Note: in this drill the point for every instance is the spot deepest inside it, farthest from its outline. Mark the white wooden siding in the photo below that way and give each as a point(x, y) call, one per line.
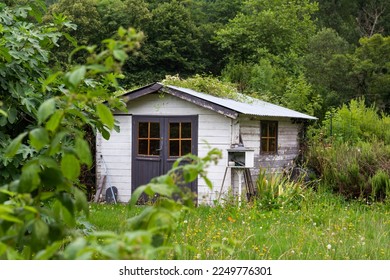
point(288, 144)
point(116, 153)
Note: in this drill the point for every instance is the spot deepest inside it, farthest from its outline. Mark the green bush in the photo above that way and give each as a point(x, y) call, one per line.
point(349, 169)
point(353, 123)
point(380, 185)
point(351, 150)
point(277, 190)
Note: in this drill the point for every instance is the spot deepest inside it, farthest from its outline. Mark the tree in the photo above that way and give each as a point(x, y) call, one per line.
point(126, 13)
point(172, 48)
point(277, 27)
point(264, 45)
point(327, 68)
point(371, 69)
point(24, 53)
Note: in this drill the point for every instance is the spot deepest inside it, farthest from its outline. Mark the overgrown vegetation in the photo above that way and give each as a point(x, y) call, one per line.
point(42, 203)
point(351, 151)
point(319, 226)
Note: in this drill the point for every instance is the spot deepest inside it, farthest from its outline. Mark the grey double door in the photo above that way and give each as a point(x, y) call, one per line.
point(158, 141)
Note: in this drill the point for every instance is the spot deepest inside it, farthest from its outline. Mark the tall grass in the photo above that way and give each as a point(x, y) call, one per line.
point(324, 226)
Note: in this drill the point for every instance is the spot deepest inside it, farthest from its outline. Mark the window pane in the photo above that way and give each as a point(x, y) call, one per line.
point(154, 130)
point(185, 130)
point(264, 130)
point(143, 147)
point(272, 129)
point(264, 147)
point(272, 145)
point(154, 147)
point(143, 130)
point(174, 130)
point(174, 148)
point(185, 147)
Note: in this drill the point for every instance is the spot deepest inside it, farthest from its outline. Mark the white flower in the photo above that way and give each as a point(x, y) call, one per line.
point(314, 224)
point(329, 246)
point(185, 221)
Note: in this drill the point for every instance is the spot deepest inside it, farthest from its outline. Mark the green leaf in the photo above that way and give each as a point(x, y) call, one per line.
point(46, 109)
point(208, 182)
point(64, 213)
point(83, 151)
point(12, 149)
point(55, 120)
point(12, 115)
point(49, 251)
point(51, 177)
point(39, 138)
point(76, 76)
point(136, 194)
point(29, 180)
point(70, 166)
point(50, 79)
point(105, 115)
point(120, 55)
point(73, 250)
point(81, 202)
point(56, 142)
point(105, 134)
point(40, 232)
point(10, 218)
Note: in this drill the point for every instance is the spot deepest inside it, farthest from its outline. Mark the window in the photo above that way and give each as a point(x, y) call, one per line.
point(269, 137)
point(149, 138)
point(180, 139)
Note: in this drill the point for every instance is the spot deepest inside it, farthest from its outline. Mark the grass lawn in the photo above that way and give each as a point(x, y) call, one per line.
point(321, 226)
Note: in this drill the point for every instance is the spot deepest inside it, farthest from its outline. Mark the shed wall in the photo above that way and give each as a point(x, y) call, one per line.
point(214, 130)
point(288, 144)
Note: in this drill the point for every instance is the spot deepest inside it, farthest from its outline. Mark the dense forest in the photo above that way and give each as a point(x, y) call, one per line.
point(308, 55)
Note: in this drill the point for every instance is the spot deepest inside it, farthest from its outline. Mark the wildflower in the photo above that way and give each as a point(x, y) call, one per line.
point(329, 246)
point(185, 221)
point(198, 256)
point(230, 219)
point(314, 224)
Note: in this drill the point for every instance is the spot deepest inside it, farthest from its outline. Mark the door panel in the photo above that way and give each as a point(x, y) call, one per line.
point(158, 142)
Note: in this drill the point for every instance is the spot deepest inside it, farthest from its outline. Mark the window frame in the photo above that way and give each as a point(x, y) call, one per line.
point(268, 137)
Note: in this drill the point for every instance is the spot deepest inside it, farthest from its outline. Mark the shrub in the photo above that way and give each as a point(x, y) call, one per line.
point(277, 190)
point(353, 123)
point(380, 185)
point(349, 169)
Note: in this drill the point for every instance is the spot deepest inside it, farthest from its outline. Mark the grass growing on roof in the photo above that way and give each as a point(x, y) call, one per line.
point(209, 85)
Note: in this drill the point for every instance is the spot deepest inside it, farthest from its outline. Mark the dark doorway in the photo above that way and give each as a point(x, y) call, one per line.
point(158, 142)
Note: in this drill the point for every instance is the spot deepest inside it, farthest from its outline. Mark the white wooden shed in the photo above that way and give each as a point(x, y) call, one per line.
point(166, 122)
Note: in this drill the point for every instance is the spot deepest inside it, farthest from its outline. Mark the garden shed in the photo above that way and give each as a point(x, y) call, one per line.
point(165, 122)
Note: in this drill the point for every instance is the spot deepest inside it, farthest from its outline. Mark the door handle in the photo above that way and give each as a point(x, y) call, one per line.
point(161, 145)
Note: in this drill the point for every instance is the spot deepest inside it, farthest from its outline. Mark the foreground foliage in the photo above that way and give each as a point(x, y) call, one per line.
point(43, 206)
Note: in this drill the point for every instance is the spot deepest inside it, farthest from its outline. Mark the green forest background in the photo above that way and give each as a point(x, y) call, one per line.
point(307, 55)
